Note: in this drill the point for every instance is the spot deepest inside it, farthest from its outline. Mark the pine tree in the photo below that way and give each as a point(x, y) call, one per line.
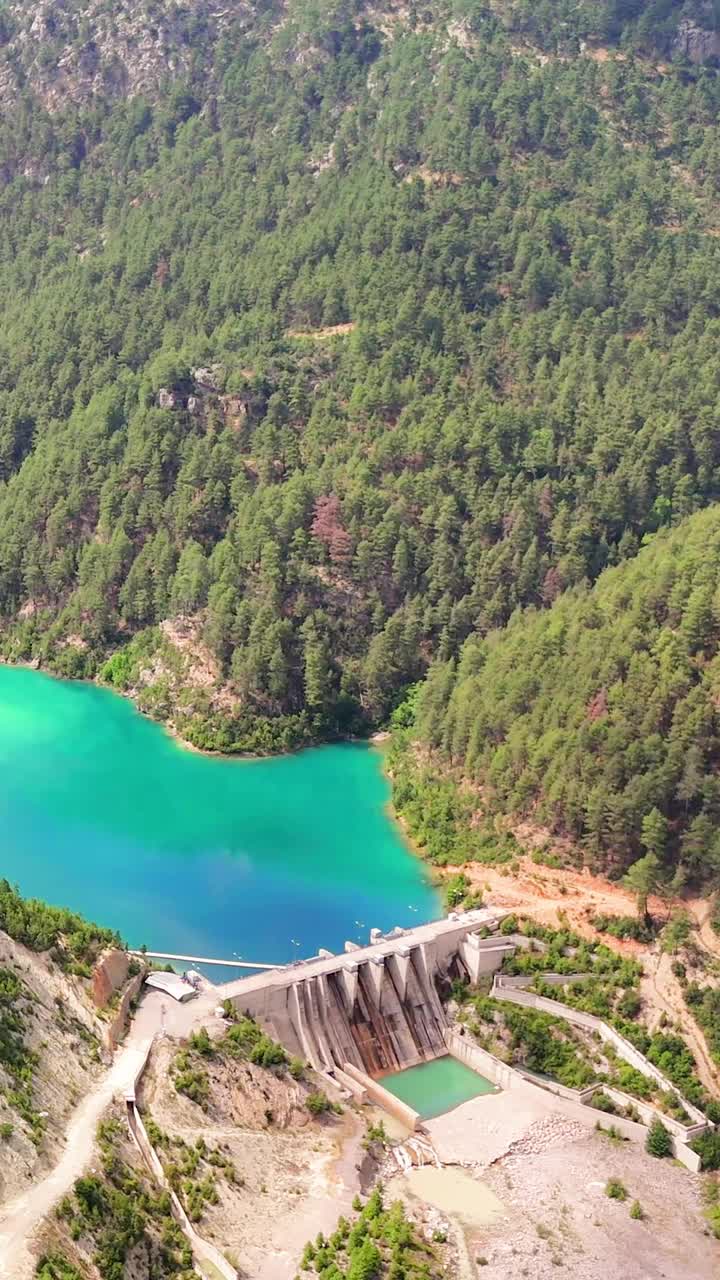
point(642, 878)
point(659, 1141)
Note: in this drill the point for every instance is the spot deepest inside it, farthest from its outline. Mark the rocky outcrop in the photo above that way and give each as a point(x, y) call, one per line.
point(109, 975)
point(168, 399)
point(72, 54)
point(695, 42)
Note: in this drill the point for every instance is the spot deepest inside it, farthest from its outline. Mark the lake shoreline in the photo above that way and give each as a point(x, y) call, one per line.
point(132, 695)
point(176, 849)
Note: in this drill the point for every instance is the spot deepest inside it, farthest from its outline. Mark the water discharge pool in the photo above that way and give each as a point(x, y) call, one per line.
point(102, 812)
point(435, 1087)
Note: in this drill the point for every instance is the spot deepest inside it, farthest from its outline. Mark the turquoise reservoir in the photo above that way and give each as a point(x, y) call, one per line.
point(436, 1087)
point(101, 811)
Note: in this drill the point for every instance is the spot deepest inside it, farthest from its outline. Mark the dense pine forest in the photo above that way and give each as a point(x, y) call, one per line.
point(597, 717)
point(331, 336)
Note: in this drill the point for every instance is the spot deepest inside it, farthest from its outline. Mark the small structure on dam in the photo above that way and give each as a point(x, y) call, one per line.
point(376, 1009)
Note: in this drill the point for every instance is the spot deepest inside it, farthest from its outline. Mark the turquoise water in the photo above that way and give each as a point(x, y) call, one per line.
point(101, 811)
point(436, 1087)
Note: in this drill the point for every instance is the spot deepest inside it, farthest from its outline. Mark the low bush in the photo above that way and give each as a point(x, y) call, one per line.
point(318, 1103)
point(615, 1189)
point(623, 927)
point(707, 1146)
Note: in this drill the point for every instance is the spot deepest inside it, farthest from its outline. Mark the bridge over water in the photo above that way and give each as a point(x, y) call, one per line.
point(231, 964)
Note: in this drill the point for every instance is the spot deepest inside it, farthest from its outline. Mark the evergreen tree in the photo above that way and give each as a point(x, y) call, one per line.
point(658, 1142)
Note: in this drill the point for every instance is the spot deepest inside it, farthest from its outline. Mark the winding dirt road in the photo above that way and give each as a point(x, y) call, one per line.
point(20, 1218)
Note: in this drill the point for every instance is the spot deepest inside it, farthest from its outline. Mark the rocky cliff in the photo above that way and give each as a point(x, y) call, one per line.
point(75, 51)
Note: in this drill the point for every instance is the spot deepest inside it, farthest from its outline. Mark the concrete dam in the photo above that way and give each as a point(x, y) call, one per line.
point(378, 1008)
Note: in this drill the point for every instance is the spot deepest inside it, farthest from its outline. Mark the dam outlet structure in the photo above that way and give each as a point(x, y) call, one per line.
point(375, 1009)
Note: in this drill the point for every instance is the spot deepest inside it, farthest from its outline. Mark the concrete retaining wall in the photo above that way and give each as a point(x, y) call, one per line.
point(689, 1158)
point(480, 1060)
point(522, 981)
point(561, 1090)
point(203, 1251)
point(648, 1112)
point(383, 1098)
point(577, 1018)
point(569, 1100)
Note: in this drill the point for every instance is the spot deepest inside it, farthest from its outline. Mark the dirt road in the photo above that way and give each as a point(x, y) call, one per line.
point(20, 1218)
point(701, 911)
point(553, 896)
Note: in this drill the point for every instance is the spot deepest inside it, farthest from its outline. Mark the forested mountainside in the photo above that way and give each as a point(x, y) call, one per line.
point(599, 716)
point(331, 335)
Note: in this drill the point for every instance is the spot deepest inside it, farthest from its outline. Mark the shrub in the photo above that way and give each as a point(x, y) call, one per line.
point(629, 1004)
point(658, 1142)
point(676, 931)
point(376, 1133)
point(636, 1211)
point(456, 889)
point(52, 1266)
point(318, 1103)
point(712, 1111)
point(612, 1132)
point(201, 1043)
point(707, 1147)
point(622, 927)
point(713, 1217)
point(194, 1083)
point(601, 1102)
point(615, 1189)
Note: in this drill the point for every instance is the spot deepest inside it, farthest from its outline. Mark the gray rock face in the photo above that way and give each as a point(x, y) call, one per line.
point(167, 399)
point(75, 52)
point(696, 43)
point(208, 379)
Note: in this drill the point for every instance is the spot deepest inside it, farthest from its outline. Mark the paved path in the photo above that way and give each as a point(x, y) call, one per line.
point(20, 1218)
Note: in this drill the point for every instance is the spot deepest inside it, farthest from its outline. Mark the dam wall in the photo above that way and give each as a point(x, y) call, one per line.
point(376, 1008)
point(486, 1064)
point(382, 1097)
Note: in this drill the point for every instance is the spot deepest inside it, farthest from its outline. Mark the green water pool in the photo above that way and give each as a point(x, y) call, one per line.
point(436, 1087)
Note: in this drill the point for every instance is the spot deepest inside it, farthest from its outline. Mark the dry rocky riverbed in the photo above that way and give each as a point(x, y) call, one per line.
point(560, 1219)
point(541, 1209)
